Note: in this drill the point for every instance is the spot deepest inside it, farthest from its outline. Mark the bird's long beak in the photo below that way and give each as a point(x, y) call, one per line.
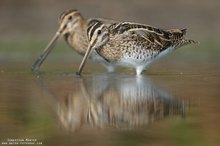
point(88, 52)
point(46, 52)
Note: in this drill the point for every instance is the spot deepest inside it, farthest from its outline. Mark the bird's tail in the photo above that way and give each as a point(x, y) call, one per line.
point(184, 31)
point(179, 39)
point(184, 42)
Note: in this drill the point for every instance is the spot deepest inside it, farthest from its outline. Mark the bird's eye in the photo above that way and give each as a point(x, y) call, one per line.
point(70, 17)
point(99, 32)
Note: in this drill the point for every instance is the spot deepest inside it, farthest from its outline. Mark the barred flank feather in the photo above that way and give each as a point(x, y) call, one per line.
point(184, 42)
point(132, 44)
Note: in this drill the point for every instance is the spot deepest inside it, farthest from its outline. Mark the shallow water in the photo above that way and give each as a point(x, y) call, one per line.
point(59, 108)
point(175, 102)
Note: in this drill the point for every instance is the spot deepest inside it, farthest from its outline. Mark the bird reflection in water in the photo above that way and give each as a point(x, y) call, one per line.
point(112, 101)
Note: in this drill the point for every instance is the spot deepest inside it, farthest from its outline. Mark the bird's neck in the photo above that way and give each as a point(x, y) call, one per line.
point(77, 38)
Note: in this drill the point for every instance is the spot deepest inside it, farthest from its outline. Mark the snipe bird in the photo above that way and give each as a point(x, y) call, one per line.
point(72, 26)
point(132, 44)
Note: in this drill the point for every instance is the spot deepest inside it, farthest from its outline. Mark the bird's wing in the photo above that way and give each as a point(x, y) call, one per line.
point(151, 36)
point(107, 22)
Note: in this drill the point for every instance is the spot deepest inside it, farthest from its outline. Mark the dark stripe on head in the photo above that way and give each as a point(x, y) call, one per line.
point(92, 26)
point(66, 12)
point(92, 22)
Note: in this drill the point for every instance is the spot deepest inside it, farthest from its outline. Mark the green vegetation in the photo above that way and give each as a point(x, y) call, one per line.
point(186, 132)
point(29, 49)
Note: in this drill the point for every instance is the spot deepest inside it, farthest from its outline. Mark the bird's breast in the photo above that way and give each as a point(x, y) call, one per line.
point(78, 43)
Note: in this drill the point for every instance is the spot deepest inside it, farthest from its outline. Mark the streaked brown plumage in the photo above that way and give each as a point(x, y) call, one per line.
point(73, 27)
point(132, 44)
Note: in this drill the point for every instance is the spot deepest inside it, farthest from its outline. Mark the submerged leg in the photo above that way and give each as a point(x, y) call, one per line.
point(139, 70)
point(109, 67)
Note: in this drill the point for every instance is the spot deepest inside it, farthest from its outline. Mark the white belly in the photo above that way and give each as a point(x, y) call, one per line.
point(134, 59)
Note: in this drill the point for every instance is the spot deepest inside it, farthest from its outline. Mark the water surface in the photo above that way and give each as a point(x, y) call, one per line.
point(110, 109)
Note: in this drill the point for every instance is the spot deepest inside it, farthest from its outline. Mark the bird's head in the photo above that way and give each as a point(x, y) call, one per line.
point(69, 21)
point(98, 35)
